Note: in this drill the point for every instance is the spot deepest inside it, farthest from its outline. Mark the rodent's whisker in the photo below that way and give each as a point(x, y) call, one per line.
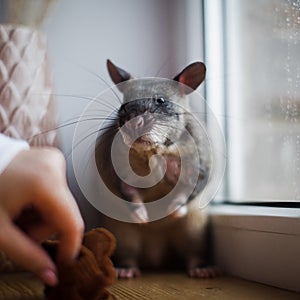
point(163, 65)
point(109, 131)
point(103, 102)
point(101, 79)
point(70, 122)
point(84, 138)
point(80, 97)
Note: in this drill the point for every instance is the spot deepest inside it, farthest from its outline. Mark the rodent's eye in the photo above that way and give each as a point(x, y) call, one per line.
point(160, 100)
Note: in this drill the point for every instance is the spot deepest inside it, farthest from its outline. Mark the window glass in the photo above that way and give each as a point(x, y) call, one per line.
point(260, 73)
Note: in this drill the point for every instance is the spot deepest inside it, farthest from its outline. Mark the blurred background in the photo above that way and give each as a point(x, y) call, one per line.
point(146, 38)
point(252, 53)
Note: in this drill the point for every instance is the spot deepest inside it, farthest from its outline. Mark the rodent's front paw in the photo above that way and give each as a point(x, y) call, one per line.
point(139, 213)
point(173, 169)
point(177, 207)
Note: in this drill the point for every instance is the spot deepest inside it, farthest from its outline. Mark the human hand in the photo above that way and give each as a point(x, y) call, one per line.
point(34, 184)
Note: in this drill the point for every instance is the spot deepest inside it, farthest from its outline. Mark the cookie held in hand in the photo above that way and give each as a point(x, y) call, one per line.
point(92, 271)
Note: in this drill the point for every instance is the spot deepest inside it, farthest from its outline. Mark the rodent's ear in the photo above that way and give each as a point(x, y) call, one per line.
point(192, 76)
point(117, 74)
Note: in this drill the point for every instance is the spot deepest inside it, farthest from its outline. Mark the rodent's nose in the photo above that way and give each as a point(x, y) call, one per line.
point(135, 123)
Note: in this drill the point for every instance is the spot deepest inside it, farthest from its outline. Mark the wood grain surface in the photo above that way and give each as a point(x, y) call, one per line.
point(159, 286)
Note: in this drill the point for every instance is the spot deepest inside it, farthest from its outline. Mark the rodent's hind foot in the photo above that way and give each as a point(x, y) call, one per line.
point(127, 273)
point(204, 272)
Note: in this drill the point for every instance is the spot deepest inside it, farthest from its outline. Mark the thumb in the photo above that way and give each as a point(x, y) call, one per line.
point(28, 254)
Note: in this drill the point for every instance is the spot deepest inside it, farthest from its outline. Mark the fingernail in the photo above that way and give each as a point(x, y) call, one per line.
point(49, 277)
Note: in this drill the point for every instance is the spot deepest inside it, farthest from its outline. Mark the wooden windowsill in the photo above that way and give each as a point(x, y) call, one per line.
point(165, 286)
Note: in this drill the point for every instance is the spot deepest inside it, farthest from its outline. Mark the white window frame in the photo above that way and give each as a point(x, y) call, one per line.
point(258, 243)
point(253, 242)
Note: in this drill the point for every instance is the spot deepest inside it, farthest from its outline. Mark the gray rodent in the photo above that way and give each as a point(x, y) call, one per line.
point(152, 112)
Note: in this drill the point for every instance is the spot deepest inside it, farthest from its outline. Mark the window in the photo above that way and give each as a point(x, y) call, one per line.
point(253, 57)
point(252, 51)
